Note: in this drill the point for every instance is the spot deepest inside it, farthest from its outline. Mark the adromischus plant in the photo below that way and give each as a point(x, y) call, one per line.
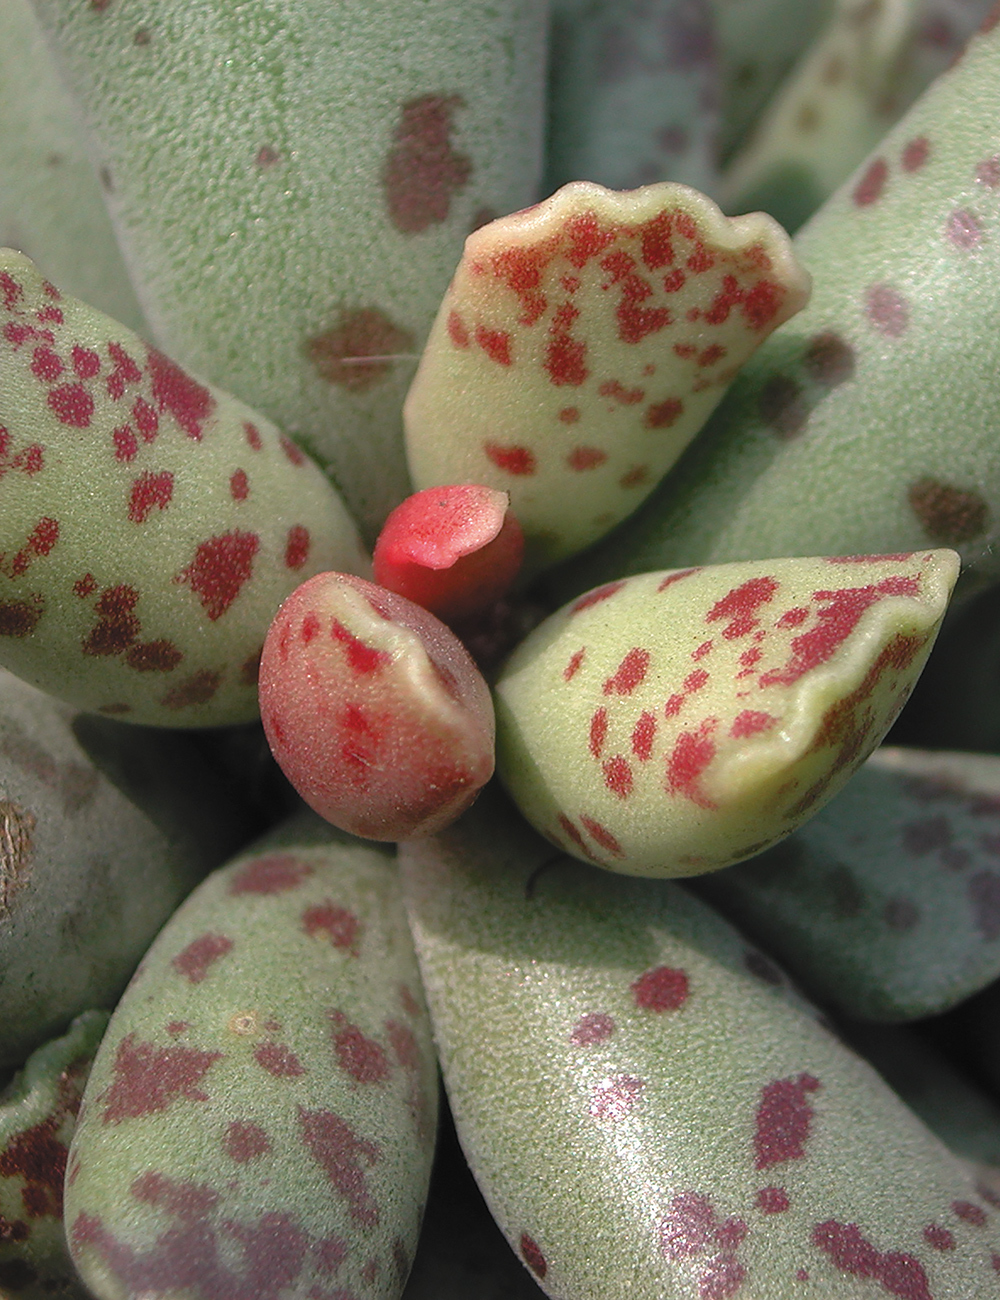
point(648, 1107)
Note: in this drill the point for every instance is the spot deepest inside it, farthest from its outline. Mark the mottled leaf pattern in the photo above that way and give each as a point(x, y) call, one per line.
point(674, 723)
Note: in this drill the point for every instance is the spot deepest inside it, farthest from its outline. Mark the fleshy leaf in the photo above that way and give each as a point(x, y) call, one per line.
point(868, 423)
point(292, 187)
point(583, 343)
point(650, 1111)
point(632, 93)
point(150, 525)
point(674, 723)
point(860, 75)
point(259, 1122)
point(37, 1118)
point(902, 864)
point(374, 710)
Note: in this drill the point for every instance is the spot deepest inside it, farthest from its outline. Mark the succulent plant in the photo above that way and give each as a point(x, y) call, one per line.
point(201, 417)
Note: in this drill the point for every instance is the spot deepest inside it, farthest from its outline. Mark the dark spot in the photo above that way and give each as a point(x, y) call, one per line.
point(423, 171)
point(782, 406)
point(759, 965)
point(362, 1058)
point(901, 914)
point(340, 926)
point(846, 897)
point(661, 989)
point(869, 188)
point(279, 1060)
point(784, 1117)
point(200, 954)
point(148, 1078)
point(267, 157)
point(532, 1255)
point(141, 36)
point(196, 689)
point(274, 874)
point(339, 1151)
point(154, 656)
point(117, 626)
point(949, 515)
point(19, 617)
point(359, 350)
point(887, 310)
point(829, 360)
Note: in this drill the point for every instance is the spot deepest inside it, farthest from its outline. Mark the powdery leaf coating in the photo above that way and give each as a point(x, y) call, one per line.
point(633, 93)
point(674, 723)
point(260, 1121)
point(149, 525)
point(374, 710)
point(583, 343)
point(903, 863)
point(74, 840)
point(718, 1143)
point(808, 454)
point(37, 1118)
point(349, 162)
point(454, 550)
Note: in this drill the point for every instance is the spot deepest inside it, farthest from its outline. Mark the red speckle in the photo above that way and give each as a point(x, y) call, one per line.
point(457, 332)
point(146, 419)
point(293, 453)
point(363, 659)
point(253, 435)
point(422, 172)
point(582, 458)
point(619, 393)
point(274, 874)
point(85, 362)
point(613, 1098)
point(189, 402)
point(148, 1078)
point(245, 1141)
point(362, 1058)
point(692, 753)
point(988, 172)
point(711, 355)
point(741, 607)
point(773, 1200)
point(634, 477)
point(355, 354)
point(335, 1146)
point(963, 229)
point(839, 615)
point(595, 1027)
point(596, 596)
point(657, 250)
point(126, 444)
point(45, 365)
point(851, 1252)
point(643, 735)
point(970, 1213)
point(39, 542)
point(673, 706)
point(569, 414)
point(793, 617)
point(85, 586)
point(199, 688)
point(695, 681)
point(629, 674)
point(266, 157)
point(532, 1256)
point(783, 1120)
point(751, 723)
point(124, 371)
point(663, 988)
point(571, 832)
point(688, 1226)
point(664, 414)
point(939, 1238)
point(177, 1027)
point(219, 569)
point(495, 343)
point(38, 1157)
point(117, 627)
point(887, 310)
point(722, 1279)
point(915, 153)
point(802, 1275)
point(575, 660)
point(869, 188)
point(404, 1044)
point(598, 732)
point(72, 405)
point(565, 356)
point(601, 836)
point(239, 485)
point(340, 926)
point(11, 290)
point(761, 304)
point(200, 954)
point(514, 460)
point(150, 492)
point(297, 545)
point(679, 576)
point(278, 1059)
point(618, 776)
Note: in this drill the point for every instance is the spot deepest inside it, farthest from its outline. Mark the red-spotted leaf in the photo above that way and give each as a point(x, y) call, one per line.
point(584, 342)
point(374, 709)
point(673, 723)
